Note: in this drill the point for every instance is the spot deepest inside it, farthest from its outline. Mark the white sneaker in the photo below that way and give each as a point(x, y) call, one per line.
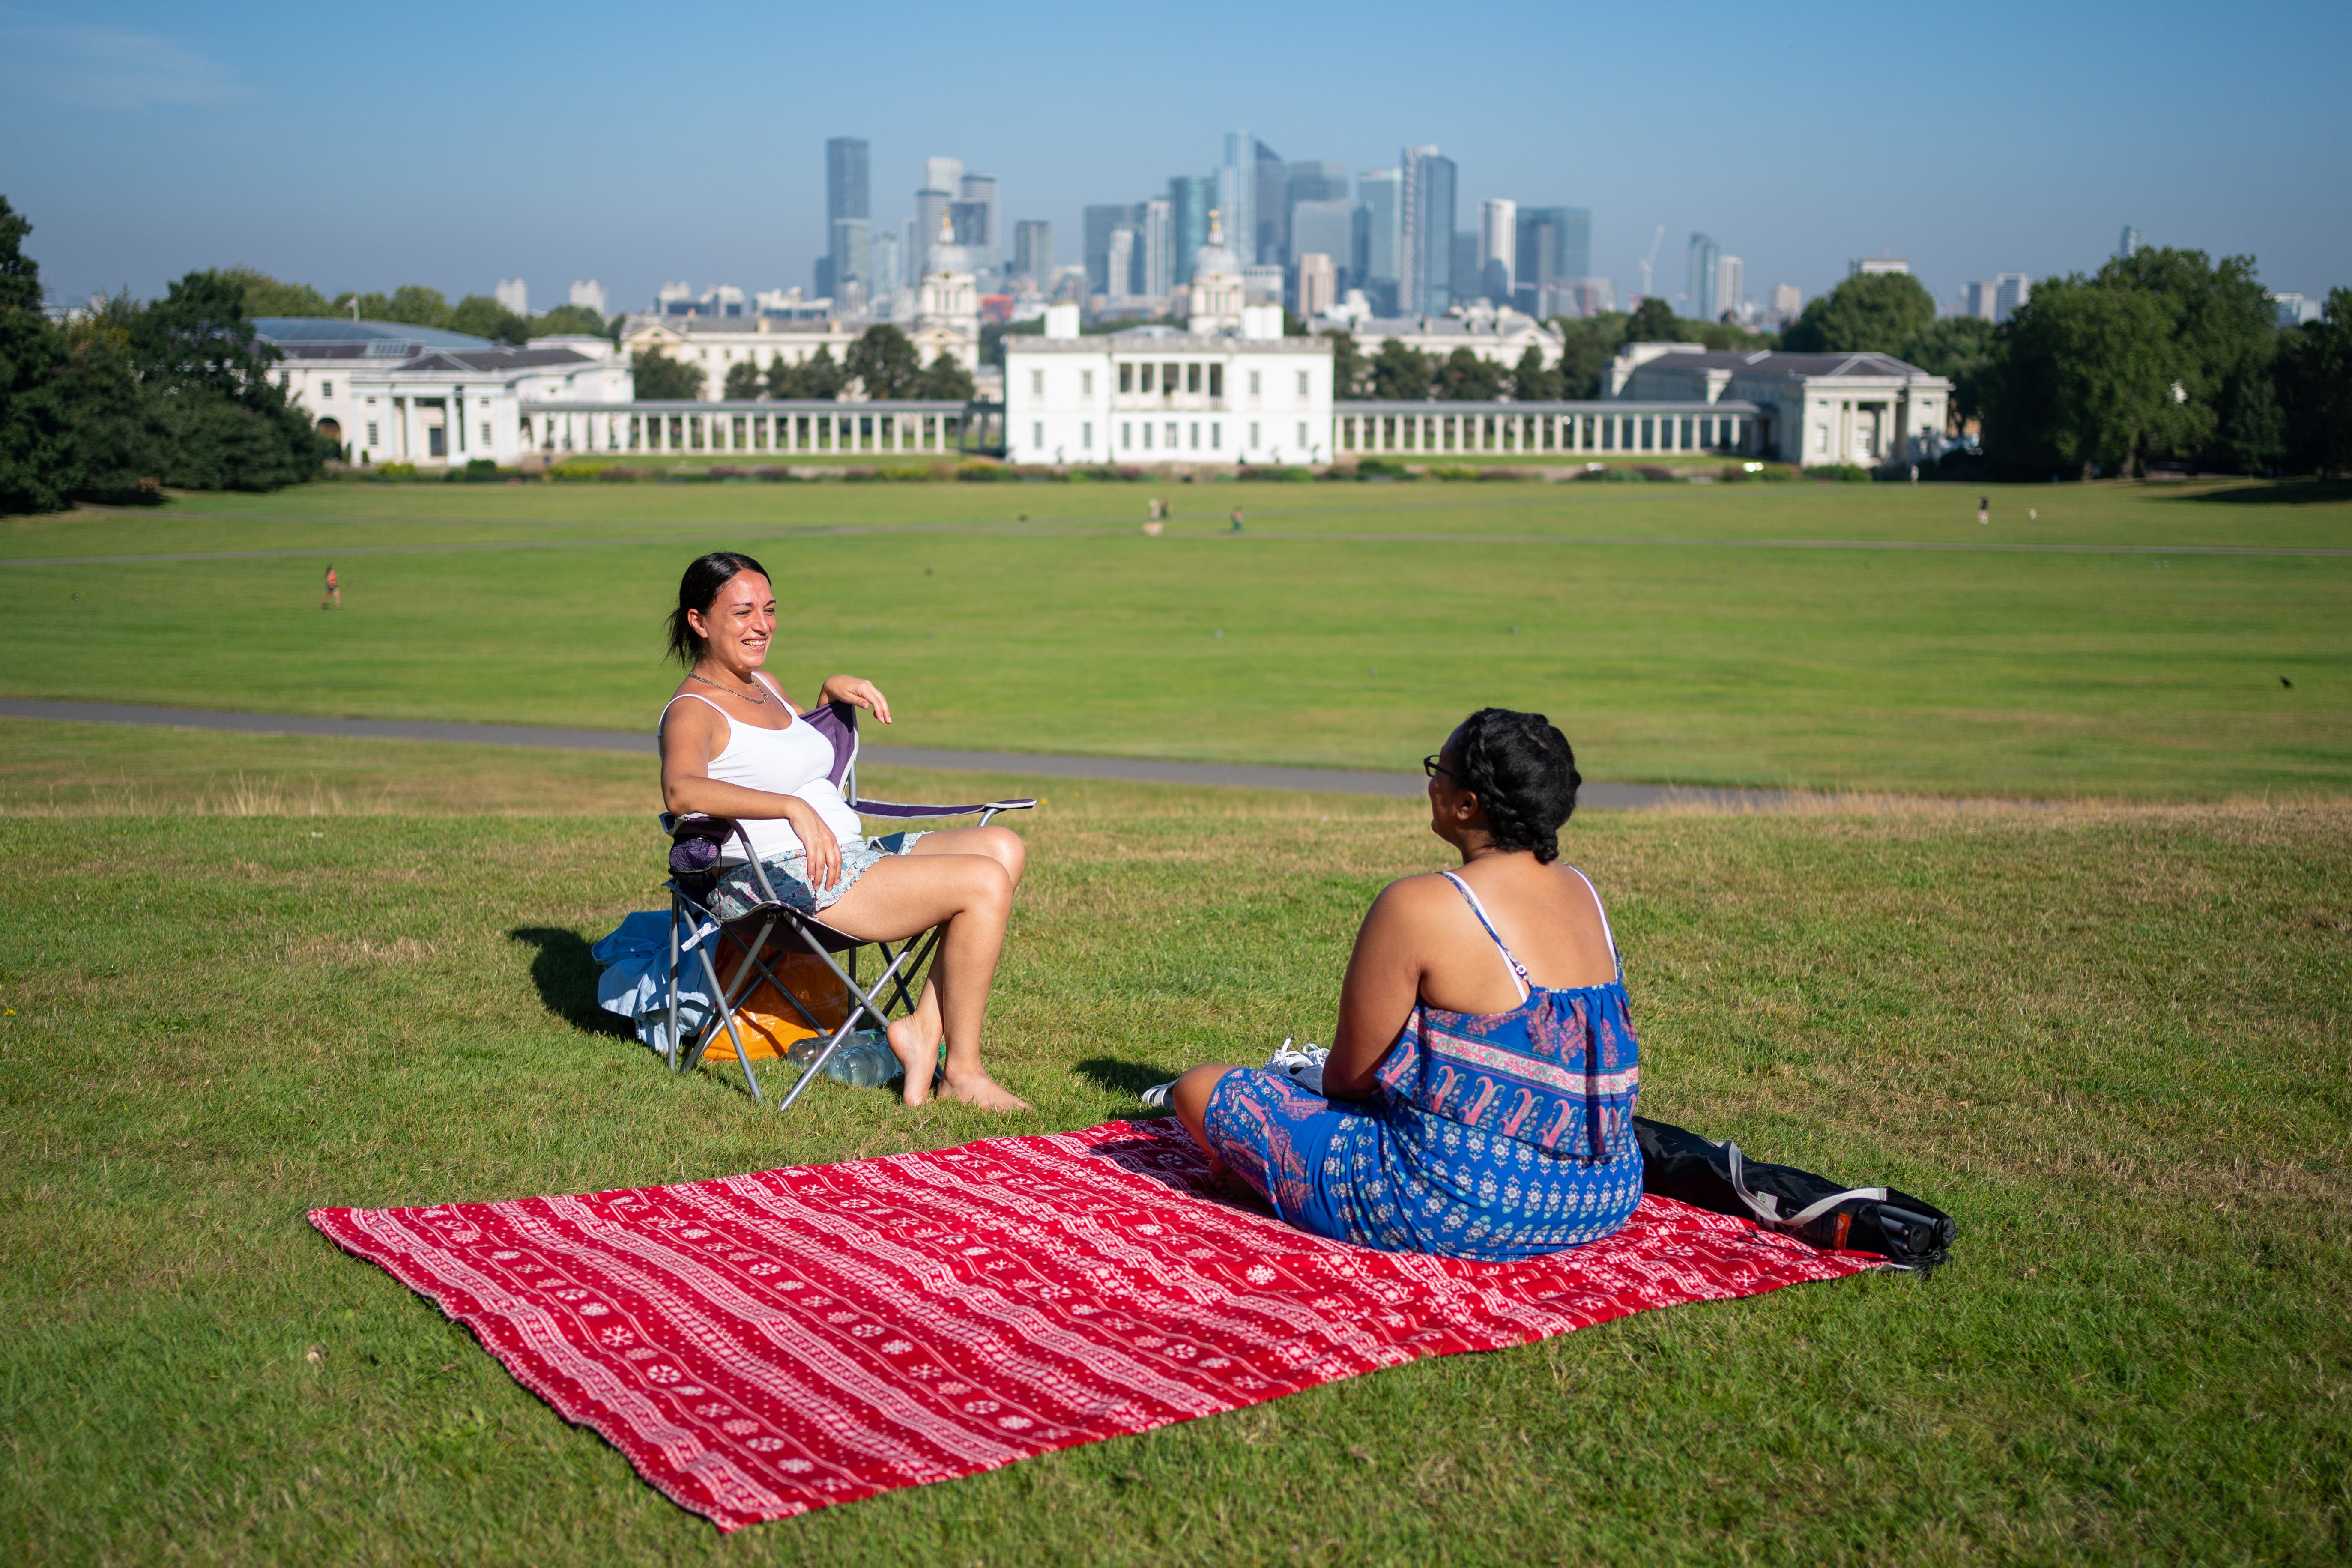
point(1303, 1067)
point(1156, 1096)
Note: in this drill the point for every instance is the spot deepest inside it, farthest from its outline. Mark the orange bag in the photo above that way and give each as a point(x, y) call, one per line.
point(771, 1027)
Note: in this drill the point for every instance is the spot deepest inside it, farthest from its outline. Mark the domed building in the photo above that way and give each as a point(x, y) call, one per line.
point(947, 309)
point(1217, 295)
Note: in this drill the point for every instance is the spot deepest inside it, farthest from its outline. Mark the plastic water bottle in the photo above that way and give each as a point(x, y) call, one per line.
point(865, 1060)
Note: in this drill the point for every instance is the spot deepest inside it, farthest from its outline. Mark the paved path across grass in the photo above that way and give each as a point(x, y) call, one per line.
point(1133, 770)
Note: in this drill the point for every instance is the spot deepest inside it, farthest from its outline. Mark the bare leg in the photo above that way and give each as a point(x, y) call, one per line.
point(917, 1034)
point(972, 894)
point(1189, 1100)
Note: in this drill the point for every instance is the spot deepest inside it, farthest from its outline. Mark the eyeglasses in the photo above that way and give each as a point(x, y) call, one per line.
point(1431, 767)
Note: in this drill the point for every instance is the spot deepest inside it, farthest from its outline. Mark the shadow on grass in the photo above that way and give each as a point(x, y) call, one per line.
point(2283, 492)
point(565, 974)
point(1122, 1077)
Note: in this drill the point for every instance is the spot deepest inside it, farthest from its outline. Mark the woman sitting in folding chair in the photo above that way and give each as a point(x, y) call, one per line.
point(739, 751)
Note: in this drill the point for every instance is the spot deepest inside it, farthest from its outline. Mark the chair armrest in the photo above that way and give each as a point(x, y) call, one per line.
point(907, 813)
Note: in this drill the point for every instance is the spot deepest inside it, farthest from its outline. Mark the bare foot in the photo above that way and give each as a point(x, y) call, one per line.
point(918, 1051)
point(983, 1092)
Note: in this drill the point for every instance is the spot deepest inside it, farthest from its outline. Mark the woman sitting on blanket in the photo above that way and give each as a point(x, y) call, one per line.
point(1478, 1098)
point(738, 750)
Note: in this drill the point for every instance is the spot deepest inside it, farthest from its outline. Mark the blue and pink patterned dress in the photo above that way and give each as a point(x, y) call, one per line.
point(1490, 1136)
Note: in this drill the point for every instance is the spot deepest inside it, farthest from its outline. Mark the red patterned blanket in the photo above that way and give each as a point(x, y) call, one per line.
point(770, 1343)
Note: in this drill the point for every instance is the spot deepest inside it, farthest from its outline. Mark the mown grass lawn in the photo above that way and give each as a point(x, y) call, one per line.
point(2113, 1041)
point(1668, 628)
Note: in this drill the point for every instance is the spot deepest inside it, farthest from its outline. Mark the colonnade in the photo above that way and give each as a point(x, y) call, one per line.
point(1507, 429)
point(683, 428)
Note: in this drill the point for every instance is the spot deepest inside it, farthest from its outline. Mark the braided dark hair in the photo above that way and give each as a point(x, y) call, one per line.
point(1524, 773)
point(698, 591)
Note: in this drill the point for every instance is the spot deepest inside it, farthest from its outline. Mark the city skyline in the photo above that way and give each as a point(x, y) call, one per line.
point(157, 141)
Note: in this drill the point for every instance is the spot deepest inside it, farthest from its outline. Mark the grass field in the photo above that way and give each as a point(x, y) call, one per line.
point(2112, 1041)
point(245, 976)
point(1663, 625)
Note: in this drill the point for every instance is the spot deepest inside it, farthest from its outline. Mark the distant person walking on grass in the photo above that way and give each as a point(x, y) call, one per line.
point(1984, 509)
point(1237, 520)
point(333, 599)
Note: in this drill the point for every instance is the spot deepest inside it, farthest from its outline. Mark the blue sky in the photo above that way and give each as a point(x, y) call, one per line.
point(454, 145)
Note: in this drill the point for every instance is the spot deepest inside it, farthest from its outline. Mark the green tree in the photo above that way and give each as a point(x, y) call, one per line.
point(1871, 313)
point(883, 363)
point(946, 378)
point(484, 317)
point(567, 321)
point(743, 382)
point(2084, 374)
point(661, 379)
point(223, 419)
point(1958, 349)
point(1533, 381)
point(37, 434)
point(1350, 376)
point(815, 377)
point(1587, 346)
point(117, 436)
point(411, 304)
point(2314, 376)
point(2224, 330)
point(1401, 374)
point(1466, 377)
point(1654, 322)
point(266, 296)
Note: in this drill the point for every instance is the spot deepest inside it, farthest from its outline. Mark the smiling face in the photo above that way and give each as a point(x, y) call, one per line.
point(739, 623)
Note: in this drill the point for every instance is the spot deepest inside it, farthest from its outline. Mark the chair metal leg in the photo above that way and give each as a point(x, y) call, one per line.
point(727, 1016)
point(673, 983)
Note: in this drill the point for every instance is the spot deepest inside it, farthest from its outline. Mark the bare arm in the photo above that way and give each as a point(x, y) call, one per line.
point(859, 692)
point(1383, 981)
point(691, 735)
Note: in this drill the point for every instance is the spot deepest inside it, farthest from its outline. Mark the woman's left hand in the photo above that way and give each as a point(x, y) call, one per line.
point(857, 693)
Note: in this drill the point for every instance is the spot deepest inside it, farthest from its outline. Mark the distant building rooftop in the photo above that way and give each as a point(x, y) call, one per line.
point(321, 330)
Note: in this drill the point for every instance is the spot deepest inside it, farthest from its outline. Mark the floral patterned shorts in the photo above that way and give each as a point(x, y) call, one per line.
point(737, 893)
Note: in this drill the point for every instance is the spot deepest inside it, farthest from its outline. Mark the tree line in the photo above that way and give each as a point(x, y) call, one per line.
point(127, 397)
point(414, 305)
point(2161, 356)
point(882, 365)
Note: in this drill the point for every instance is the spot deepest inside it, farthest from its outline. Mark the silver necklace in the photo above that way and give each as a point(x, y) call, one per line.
point(739, 696)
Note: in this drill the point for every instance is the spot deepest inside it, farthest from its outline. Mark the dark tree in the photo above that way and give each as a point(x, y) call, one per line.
point(224, 420)
point(1533, 381)
point(946, 378)
point(2314, 376)
point(1400, 375)
point(1871, 313)
point(1652, 322)
point(266, 296)
point(1350, 376)
point(661, 379)
point(744, 381)
point(118, 432)
point(883, 363)
point(819, 376)
point(412, 304)
point(1467, 378)
point(484, 317)
point(567, 321)
point(1586, 347)
point(1957, 348)
point(36, 434)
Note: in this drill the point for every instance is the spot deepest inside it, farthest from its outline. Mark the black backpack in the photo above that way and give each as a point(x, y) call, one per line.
point(1909, 1232)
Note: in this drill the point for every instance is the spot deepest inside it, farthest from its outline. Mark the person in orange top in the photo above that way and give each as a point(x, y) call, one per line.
point(334, 597)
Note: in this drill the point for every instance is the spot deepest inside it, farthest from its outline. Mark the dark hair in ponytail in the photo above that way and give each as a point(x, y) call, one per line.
point(1524, 773)
point(698, 591)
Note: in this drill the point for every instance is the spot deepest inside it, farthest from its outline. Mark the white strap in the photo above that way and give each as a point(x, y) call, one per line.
point(1766, 1206)
point(1518, 976)
point(761, 677)
point(699, 697)
point(1603, 910)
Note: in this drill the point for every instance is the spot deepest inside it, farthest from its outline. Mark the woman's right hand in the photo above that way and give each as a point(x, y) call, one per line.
point(817, 843)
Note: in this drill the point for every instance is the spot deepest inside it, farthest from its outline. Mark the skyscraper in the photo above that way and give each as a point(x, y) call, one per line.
point(1101, 221)
point(2128, 245)
point(1270, 200)
point(1032, 251)
point(1555, 244)
point(848, 194)
point(850, 249)
point(1699, 304)
point(979, 199)
point(1425, 233)
point(1155, 242)
point(1318, 285)
point(1237, 192)
point(1189, 197)
point(1121, 262)
point(1498, 248)
point(1731, 284)
point(1317, 182)
point(1328, 229)
point(1380, 241)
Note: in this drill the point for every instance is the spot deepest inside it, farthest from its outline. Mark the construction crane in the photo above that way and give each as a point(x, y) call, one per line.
point(1652, 259)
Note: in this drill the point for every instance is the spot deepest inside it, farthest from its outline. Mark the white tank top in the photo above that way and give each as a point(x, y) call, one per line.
point(792, 761)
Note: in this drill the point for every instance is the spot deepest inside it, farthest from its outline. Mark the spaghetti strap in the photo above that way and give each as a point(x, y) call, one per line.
point(697, 697)
point(1518, 972)
point(761, 677)
point(1615, 957)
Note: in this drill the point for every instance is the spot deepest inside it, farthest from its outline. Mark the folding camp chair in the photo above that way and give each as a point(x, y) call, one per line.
point(701, 941)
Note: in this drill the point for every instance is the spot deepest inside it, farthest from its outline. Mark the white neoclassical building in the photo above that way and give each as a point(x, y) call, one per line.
point(390, 393)
point(1226, 388)
point(1866, 408)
